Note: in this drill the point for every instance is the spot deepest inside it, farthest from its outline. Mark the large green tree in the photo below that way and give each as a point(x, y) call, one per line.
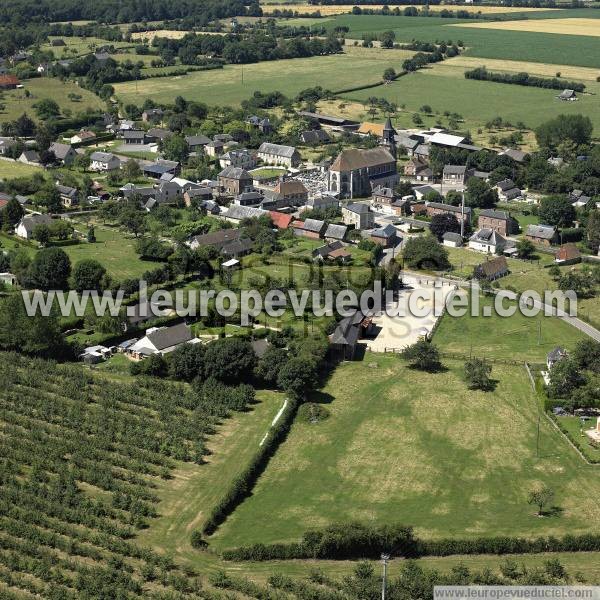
point(88, 274)
point(425, 252)
point(50, 270)
point(576, 128)
point(556, 210)
point(230, 360)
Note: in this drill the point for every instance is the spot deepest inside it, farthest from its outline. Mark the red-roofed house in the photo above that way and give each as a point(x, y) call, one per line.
point(567, 255)
point(280, 220)
point(8, 82)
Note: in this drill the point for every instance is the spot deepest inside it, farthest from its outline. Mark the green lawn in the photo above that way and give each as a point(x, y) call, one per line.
point(576, 432)
point(235, 83)
point(516, 338)
point(16, 102)
point(113, 249)
point(11, 170)
point(422, 449)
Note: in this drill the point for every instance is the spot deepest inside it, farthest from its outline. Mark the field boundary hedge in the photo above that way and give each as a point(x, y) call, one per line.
point(242, 485)
point(523, 78)
point(500, 545)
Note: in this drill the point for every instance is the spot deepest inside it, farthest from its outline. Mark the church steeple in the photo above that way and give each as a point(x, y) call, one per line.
point(389, 140)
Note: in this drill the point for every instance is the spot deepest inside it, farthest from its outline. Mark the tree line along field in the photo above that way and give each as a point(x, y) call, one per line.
point(235, 83)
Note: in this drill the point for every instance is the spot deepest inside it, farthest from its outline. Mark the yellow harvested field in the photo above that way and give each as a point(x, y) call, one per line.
point(342, 9)
point(518, 66)
point(172, 34)
point(589, 27)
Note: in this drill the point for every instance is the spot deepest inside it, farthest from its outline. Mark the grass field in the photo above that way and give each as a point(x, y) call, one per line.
point(16, 102)
point(10, 169)
point(78, 46)
point(226, 86)
point(572, 26)
point(421, 449)
point(113, 249)
point(445, 89)
point(580, 50)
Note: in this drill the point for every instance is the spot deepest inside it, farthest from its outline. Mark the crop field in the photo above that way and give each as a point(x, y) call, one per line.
point(421, 449)
point(16, 102)
point(444, 88)
point(163, 33)
point(235, 83)
point(579, 50)
point(572, 26)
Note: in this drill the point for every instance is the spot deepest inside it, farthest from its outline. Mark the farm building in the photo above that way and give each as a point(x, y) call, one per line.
point(162, 340)
point(8, 82)
point(568, 254)
point(568, 96)
point(385, 236)
point(544, 235)
point(491, 269)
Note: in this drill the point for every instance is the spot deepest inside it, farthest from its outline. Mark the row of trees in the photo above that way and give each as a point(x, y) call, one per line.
point(524, 78)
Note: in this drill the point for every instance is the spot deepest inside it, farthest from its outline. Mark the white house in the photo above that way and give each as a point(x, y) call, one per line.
point(104, 161)
point(276, 154)
point(242, 158)
point(487, 240)
point(29, 222)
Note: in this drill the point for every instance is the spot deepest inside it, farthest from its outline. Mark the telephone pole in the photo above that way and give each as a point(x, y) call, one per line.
point(462, 216)
point(384, 559)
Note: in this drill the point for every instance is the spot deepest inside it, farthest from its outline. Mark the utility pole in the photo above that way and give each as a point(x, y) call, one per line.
point(462, 216)
point(537, 443)
point(384, 559)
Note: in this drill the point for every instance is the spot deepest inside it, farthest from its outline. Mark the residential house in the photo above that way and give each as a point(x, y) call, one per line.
point(568, 254)
point(153, 115)
point(242, 158)
point(491, 270)
point(83, 137)
point(507, 190)
point(29, 157)
point(157, 169)
point(64, 153)
point(544, 235)
point(197, 143)
point(456, 175)
point(291, 191)
point(385, 236)
point(452, 240)
point(498, 220)
point(357, 172)
point(135, 137)
point(234, 180)
point(360, 216)
point(28, 223)
point(162, 340)
point(277, 154)
point(487, 240)
point(383, 196)
point(262, 124)
point(104, 161)
point(314, 137)
point(555, 355)
point(6, 145)
point(418, 169)
point(336, 232)
point(321, 201)
point(238, 248)
point(439, 208)
point(578, 199)
point(249, 198)
point(197, 196)
point(154, 135)
point(280, 220)
point(215, 239)
point(332, 251)
point(214, 148)
point(68, 195)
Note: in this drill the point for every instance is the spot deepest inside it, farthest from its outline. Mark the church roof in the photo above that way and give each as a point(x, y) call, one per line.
point(354, 158)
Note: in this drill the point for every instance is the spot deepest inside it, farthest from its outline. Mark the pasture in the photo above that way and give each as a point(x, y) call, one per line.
point(235, 83)
point(444, 88)
point(11, 169)
point(578, 50)
point(16, 102)
point(420, 449)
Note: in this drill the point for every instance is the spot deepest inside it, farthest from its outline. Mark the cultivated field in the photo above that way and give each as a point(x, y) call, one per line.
point(580, 50)
point(16, 102)
point(235, 83)
point(421, 449)
point(163, 33)
point(572, 26)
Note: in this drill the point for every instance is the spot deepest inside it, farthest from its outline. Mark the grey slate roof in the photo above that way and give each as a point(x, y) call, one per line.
point(451, 236)
point(170, 336)
point(244, 212)
point(544, 232)
point(384, 232)
point(449, 207)
point(235, 173)
point(494, 214)
point(60, 150)
point(313, 225)
point(197, 140)
point(487, 236)
point(277, 149)
point(358, 208)
point(337, 232)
